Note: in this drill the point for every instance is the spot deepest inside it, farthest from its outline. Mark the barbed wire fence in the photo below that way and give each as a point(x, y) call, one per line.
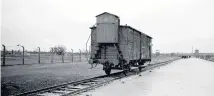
point(17, 55)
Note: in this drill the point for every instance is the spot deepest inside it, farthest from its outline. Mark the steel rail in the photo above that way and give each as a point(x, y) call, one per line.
point(61, 85)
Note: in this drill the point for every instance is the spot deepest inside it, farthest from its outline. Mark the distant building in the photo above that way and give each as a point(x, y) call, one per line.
point(196, 51)
point(157, 52)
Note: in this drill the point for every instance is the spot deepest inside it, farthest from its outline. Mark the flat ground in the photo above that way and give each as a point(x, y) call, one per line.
point(22, 78)
point(185, 77)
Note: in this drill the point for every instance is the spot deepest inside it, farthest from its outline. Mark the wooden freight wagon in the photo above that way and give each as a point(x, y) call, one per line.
point(116, 46)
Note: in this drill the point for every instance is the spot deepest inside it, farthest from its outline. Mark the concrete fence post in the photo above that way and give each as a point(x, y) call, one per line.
point(4, 55)
point(80, 55)
point(52, 55)
point(12, 53)
point(39, 55)
point(23, 55)
point(62, 58)
point(72, 55)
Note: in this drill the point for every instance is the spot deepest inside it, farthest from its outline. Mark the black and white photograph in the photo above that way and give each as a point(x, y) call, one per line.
point(107, 47)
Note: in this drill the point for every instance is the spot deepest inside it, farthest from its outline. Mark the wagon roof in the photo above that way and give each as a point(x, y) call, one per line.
point(107, 13)
point(136, 30)
point(130, 28)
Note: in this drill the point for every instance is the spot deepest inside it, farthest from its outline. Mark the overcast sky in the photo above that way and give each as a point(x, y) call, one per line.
point(175, 25)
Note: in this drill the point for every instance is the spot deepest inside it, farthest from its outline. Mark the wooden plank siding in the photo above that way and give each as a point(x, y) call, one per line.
point(131, 42)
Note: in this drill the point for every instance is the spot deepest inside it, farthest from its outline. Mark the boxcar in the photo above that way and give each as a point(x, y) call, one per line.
point(116, 46)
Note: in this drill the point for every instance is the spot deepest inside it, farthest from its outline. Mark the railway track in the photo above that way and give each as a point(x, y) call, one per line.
point(75, 88)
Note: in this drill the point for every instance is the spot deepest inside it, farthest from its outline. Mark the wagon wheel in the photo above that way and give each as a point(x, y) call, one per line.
point(107, 68)
point(140, 65)
point(140, 69)
point(126, 69)
point(129, 67)
point(108, 71)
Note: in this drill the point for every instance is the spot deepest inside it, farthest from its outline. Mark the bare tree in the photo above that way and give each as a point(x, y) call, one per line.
point(59, 50)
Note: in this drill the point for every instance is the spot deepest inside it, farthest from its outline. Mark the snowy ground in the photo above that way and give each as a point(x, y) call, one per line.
point(22, 78)
point(185, 77)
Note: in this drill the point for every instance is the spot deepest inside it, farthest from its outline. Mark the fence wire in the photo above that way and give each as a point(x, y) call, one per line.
point(15, 57)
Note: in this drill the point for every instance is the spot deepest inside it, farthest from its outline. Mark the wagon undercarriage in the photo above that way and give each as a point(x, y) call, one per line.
point(123, 65)
point(111, 57)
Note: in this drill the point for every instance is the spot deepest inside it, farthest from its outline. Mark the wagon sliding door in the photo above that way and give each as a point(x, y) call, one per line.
point(136, 48)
